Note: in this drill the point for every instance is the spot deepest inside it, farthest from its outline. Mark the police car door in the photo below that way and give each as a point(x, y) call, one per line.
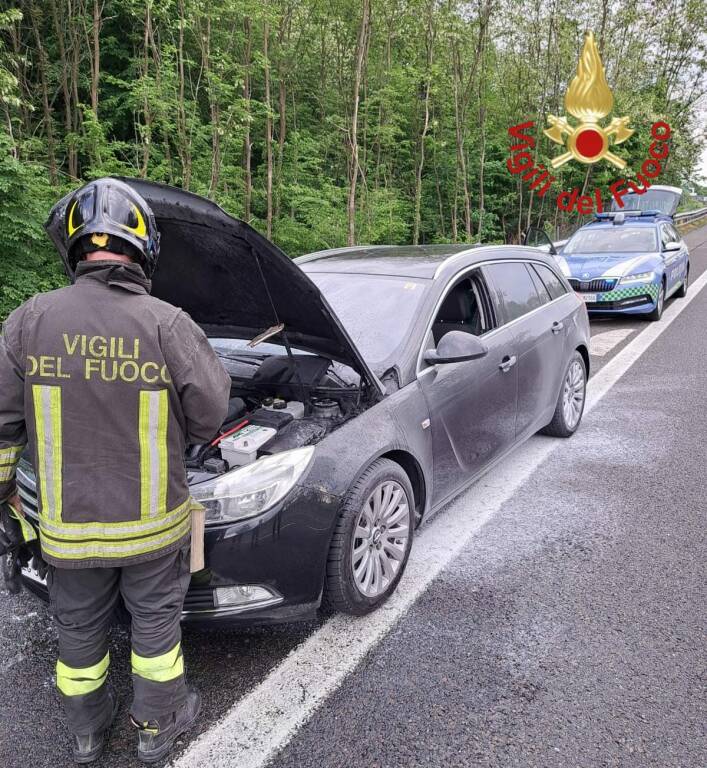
point(674, 258)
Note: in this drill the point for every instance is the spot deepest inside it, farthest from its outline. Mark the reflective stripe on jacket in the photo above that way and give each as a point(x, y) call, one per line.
point(107, 385)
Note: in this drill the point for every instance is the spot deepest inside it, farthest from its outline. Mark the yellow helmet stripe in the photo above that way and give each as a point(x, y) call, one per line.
point(70, 227)
point(141, 229)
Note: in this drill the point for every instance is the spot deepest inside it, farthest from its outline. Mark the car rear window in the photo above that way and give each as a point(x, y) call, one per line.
point(615, 239)
point(512, 289)
point(552, 282)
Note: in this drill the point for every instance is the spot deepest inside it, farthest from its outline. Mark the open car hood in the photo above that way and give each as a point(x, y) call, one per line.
point(656, 198)
point(231, 280)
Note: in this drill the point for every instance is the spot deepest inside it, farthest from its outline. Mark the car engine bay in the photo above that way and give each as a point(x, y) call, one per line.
point(278, 402)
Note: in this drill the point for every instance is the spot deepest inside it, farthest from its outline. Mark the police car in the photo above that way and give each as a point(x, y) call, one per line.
point(630, 260)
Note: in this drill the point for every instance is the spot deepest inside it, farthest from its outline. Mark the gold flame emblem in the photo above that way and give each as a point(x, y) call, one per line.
point(589, 99)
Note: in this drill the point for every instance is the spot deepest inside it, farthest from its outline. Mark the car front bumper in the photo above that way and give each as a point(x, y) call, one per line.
point(631, 299)
point(282, 552)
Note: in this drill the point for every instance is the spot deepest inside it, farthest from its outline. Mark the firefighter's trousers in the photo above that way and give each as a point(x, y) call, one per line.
point(83, 602)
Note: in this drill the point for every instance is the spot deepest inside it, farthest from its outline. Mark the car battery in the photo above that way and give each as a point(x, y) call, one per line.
point(242, 448)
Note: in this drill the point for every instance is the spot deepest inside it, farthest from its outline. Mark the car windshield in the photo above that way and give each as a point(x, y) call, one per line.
point(376, 310)
point(617, 239)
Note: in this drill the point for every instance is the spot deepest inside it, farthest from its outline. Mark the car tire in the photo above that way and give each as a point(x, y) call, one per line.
point(682, 290)
point(570, 402)
point(657, 313)
point(382, 493)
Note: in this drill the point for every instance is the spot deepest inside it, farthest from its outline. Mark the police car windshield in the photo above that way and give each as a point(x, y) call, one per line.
point(616, 239)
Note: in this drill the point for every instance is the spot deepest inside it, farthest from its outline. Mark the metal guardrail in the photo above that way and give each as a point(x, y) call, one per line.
point(687, 216)
point(679, 218)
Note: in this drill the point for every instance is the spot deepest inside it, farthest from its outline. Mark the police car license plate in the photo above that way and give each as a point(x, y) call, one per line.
point(588, 298)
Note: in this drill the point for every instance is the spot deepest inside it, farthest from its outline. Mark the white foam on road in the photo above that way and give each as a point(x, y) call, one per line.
point(264, 720)
point(602, 343)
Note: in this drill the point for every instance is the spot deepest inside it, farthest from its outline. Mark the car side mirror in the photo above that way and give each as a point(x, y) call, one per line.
point(673, 245)
point(456, 347)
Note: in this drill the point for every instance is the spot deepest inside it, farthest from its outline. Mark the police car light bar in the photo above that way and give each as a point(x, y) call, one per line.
point(618, 217)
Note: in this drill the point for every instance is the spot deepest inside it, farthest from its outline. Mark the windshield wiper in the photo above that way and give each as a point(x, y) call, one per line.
point(255, 360)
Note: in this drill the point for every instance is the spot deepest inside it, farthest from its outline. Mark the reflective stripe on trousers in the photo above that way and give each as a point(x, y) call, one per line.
point(79, 681)
point(159, 669)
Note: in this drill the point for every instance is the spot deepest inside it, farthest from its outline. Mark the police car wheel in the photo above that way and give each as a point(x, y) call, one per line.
point(682, 290)
point(570, 403)
point(657, 313)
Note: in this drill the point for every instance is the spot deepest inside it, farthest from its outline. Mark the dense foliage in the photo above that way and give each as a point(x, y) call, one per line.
point(324, 123)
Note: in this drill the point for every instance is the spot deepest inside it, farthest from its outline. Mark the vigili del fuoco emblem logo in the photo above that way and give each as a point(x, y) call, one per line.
point(589, 99)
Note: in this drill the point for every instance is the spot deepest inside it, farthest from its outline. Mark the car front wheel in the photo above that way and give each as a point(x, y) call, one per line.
point(657, 312)
point(372, 540)
point(682, 290)
point(570, 403)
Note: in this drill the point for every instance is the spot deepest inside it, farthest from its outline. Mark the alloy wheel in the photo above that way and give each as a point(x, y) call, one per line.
point(573, 394)
point(380, 539)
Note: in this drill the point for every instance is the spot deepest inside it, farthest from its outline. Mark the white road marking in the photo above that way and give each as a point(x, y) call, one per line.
point(602, 343)
point(264, 720)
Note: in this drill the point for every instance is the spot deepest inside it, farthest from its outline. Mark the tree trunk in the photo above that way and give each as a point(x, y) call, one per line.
point(184, 146)
point(459, 136)
point(353, 131)
point(71, 158)
point(147, 114)
point(429, 45)
point(247, 147)
point(46, 106)
point(268, 129)
point(96, 60)
point(214, 109)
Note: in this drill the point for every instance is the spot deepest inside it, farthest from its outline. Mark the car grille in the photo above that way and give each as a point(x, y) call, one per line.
point(593, 286)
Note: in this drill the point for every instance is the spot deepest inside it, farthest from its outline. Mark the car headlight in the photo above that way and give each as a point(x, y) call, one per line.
point(640, 277)
point(253, 489)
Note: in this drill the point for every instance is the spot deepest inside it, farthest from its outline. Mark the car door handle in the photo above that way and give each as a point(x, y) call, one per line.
point(507, 363)
point(557, 326)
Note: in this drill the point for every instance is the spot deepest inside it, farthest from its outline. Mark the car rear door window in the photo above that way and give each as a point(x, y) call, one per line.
point(512, 289)
point(552, 282)
point(543, 292)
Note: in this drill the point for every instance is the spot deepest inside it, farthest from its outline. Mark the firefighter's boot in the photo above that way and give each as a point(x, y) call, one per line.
point(88, 748)
point(156, 738)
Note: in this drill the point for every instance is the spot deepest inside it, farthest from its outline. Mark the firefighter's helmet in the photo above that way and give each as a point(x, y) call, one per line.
point(107, 215)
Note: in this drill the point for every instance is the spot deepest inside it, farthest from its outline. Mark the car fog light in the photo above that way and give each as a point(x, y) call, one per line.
point(245, 595)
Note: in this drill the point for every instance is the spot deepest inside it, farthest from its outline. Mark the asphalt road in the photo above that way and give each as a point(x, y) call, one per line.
point(569, 631)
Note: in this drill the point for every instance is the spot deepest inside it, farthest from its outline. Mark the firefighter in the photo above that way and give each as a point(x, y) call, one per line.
point(106, 385)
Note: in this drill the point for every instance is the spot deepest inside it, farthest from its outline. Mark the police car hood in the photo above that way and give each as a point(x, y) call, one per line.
point(231, 280)
point(588, 266)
